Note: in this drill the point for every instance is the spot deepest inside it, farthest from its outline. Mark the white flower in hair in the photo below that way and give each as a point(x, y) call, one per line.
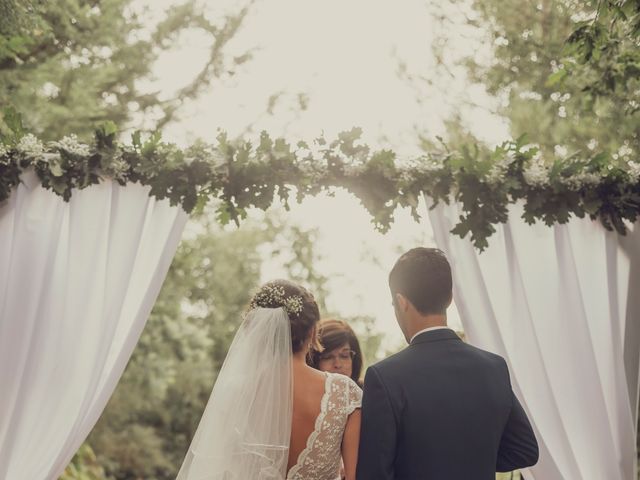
point(274, 296)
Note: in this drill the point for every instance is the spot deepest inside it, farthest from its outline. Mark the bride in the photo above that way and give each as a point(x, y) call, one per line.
point(270, 415)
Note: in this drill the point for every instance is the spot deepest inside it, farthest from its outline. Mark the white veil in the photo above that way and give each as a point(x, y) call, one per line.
point(245, 429)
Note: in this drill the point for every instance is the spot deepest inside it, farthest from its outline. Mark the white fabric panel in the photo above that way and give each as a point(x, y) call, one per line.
point(77, 283)
point(559, 304)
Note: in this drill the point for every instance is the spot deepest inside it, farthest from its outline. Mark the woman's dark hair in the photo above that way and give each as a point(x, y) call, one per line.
point(333, 334)
point(302, 321)
point(423, 276)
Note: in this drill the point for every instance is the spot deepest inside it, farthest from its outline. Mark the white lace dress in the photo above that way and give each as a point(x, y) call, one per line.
point(321, 459)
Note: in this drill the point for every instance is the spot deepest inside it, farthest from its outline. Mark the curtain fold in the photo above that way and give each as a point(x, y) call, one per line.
point(77, 283)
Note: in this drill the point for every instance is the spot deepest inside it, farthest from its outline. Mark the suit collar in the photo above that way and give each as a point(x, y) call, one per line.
point(435, 336)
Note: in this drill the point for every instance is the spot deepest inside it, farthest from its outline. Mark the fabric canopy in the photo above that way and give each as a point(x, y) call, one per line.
point(562, 305)
point(77, 283)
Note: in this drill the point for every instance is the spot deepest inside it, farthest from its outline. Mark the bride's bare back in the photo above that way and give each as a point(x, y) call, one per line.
point(308, 390)
point(325, 425)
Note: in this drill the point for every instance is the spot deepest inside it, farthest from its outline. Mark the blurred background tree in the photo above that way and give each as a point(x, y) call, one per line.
point(564, 72)
point(69, 66)
point(85, 466)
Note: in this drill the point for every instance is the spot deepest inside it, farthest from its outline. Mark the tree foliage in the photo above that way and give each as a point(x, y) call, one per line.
point(564, 72)
point(68, 66)
point(603, 52)
point(85, 466)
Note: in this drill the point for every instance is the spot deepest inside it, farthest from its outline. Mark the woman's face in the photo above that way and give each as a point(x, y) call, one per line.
point(338, 360)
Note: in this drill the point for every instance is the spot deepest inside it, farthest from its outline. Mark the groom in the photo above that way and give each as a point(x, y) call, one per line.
point(440, 409)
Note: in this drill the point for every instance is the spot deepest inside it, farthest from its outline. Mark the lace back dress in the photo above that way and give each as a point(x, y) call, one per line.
point(321, 459)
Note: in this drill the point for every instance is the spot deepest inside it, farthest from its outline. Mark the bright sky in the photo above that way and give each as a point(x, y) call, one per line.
point(343, 56)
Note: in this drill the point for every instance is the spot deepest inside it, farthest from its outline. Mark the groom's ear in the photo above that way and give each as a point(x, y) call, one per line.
point(402, 302)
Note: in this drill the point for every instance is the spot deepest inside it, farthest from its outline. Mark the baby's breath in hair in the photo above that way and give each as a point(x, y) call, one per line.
point(273, 296)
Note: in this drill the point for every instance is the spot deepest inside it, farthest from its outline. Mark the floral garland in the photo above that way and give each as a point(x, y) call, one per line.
point(243, 176)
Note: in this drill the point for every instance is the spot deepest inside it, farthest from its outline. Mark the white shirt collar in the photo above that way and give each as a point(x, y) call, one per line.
point(428, 330)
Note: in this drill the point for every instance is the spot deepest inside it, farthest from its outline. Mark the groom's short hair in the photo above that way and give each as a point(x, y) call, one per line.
point(423, 276)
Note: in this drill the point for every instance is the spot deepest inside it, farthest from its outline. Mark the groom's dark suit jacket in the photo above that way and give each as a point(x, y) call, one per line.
point(442, 410)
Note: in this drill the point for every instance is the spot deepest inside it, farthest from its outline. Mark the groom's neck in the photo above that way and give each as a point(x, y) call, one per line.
point(422, 322)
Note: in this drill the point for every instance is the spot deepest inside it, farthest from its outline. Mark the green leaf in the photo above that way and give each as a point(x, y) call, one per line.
point(109, 128)
point(223, 214)
point(461, 229)
point(521, 141)
point(152, 142)
point(556, 77)
point(56, 169)
point(106, 135)
point(12, 120)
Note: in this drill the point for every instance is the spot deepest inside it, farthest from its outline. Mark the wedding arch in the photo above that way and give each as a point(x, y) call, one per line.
point(545, 252)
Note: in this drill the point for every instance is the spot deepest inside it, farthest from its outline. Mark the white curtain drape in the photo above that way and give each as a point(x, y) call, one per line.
point(562, 305)
point(77, 283)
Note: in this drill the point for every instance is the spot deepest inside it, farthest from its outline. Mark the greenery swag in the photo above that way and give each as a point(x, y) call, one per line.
point(241, 175)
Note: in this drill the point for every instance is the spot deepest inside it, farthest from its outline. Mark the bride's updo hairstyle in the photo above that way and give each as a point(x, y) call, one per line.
point(299, 304)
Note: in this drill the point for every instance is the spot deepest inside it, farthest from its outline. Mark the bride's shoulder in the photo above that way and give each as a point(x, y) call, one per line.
point(347, 387)
point(346, 393)
point(344, 381)
point(312, 379)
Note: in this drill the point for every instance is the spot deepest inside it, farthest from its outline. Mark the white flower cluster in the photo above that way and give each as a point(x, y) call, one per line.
point(310, 169)
point(429, 164)
point(409, 167)
point(582, 179)
point(352, 170)
point(217, 158)
point(339, 154)
point(536, 173)
point(30, 145)
point(71, 144)
point(117, 167)
point(495, 174)
point(166, 149)
point(274, 296)
point(4, 158)
point(313, 152)
point(499, 169)
point(634, 170)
